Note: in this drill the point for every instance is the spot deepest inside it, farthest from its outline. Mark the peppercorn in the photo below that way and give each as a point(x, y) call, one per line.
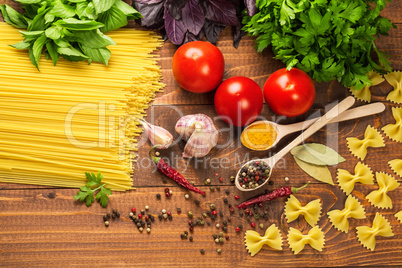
point(212, 218)
point(160, 216)
point(169, 213)
point(221, 214)
point(142, 223)
point(186, 196)
point(212, 206)
point(165, 216)
point(221, 239)
point(148, 230)
point(220, 234)
point(212, 189)
point(215, 236)
point(190, 222)
point(105, 218)
point(214, 212)
point(236, 197)
point(178, 210)
point(202, 222)
point(217, 226)
point(241, 226)
point(141, 229)
point(217, 240)
point(225, 229)
point(170, 217)
point(138, 224)
point(225, 223)
point(225, 200)
point(202, 251)
point(164, 180)
point(220, 179)
point(191, 228)
point(133, 210)
point(167, 194)
point(152, 217)
point(229, 219)
point(204, 215)
point(218, 188)
point(140, 216)
point(163, 211)
point(231, 209)
point(270, 182)
point(208, 181)
point(256, 216)
point(146, 208)
point(232, 178)
point(253, 224)
point(190, 238)
point(106, 223)
point(142, 211)
point(196, 202)
point(190, 214)
point(241, 213)
point(237, 229)
point(227, 237)
point(227, 191)
point(261, 225)
point(219, 251)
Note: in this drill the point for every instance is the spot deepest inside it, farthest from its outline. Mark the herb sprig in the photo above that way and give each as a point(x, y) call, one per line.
point(73, 29)
point(94, 183)
point(328, 39)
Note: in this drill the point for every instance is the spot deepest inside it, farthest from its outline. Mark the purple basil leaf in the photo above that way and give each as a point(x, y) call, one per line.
point(193, 17)
point(212, 30)
point(190, 37)
point(175, 29)
point(251, 7)
point(221, 11)
point(152, 14)
point(175, 7)
point(148, 2)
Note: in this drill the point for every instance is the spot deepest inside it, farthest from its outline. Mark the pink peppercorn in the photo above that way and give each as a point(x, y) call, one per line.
point(220, 179)
point(140, 216)
point(236, 197)
point(214, 212)
point(237, 229)
point(167, 194)
point(191, 228)
point(260, 205)
point(166, 190)
point(133, 210)
point(253, 224)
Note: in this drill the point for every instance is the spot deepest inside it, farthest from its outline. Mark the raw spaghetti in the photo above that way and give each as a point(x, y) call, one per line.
point(73, 118)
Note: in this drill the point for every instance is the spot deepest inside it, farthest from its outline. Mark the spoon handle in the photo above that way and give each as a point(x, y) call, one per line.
point(322, 121)
point(365, 110)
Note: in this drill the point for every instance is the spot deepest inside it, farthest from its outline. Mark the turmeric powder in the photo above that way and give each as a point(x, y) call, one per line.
point(259, 136)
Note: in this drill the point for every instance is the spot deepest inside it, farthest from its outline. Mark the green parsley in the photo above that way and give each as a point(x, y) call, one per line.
point(72, 29)
point(328, 39)
point(93, 184)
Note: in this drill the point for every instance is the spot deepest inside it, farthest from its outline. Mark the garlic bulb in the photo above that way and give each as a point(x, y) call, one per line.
point(157, 135)
point(200, 132)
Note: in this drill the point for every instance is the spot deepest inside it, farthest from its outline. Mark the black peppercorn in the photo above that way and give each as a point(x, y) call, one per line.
point(196, 202)
point(220, 214)
point(213, 218)
point(138, 224)
point(158, 196)
point(214, 236)
point(227, 191)
point(182, 236)
point(225, 223)
point(225, 200)
point(105, 218)
point(241, 213)
point(164, 180)
point(170, 217)
point(270, 182)
point(202, 251)
point(108, 215)
point(224, 228)
point(142, 223)
point(160, 216)
point(190, 238)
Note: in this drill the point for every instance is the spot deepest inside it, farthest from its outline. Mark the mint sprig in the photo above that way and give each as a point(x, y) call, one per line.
point(93, 184)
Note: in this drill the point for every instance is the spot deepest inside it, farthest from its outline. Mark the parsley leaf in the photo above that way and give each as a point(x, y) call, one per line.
point(93, 184)
point(328, 39)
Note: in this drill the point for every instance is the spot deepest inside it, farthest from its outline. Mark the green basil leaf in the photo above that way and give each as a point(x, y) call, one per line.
point(62, 43)
point(113, 19)
point(49, 18)
point(94, 39)
point(21, 45)
point(79, 25)
point(317, 154)
point(38, 23)
point(12, 17)
point(80, 9)
point(37, 48)
point(128, 10)
point(54, 32)
point(52, 49)
point(90, 12)
point(320, 173)
point(30, 36)
point(102, 5)
point(61, 10)
point(77, 1)
point(101, 55)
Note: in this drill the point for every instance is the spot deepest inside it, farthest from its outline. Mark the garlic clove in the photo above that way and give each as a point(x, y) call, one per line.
point(157, 135)
point(189, 123)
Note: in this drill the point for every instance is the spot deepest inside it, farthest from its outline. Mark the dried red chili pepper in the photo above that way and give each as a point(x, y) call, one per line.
point(281, 192)
point(170, 172)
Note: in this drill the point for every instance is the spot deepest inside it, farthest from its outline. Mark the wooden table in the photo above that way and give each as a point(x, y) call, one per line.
point(44, 226)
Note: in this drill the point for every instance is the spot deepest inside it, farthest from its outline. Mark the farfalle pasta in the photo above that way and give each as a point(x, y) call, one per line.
point(364, 94)
point(311, 212)
point(366, 235)
point(394, 131)
point(396, 166)
point(297, 241)
point(395, 79)
point(398, 215)
point(379, 198)
point(353, 209)
point(254, 241)
point(363, 174)
point(372, 138)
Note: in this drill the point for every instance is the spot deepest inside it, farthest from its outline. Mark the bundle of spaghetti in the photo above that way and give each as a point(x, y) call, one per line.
point(73, 118)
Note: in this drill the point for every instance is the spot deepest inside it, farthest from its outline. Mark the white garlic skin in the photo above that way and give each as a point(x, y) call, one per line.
point(200, 132)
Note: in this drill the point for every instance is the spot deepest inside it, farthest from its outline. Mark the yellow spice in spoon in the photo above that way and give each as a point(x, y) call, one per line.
point(259, 136)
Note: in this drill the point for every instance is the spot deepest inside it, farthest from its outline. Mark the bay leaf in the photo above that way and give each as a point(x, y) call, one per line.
point(317, 154)
point(320, 173)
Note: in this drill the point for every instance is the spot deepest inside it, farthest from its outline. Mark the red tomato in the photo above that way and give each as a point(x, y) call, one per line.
point(198, 66)
point(238, 101)
point(289, 93)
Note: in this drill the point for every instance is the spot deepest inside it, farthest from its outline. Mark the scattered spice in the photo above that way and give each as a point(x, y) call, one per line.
point(252, 224)
point(225, 200)
point(202, 251)
point(190, 238)
point(146, 208)
point(219, 251)
point(107, 223)
point(261, 225)
point(178, 210)
point(281, 192)
point(236, 197)
point(158, 196)
point(212, 189)
point(168, 171)
point(212, 206)
point(286, 178)
point(186, 196)
point(227, 191)
point(232, 179)
point(190, 214)
point(196, 202)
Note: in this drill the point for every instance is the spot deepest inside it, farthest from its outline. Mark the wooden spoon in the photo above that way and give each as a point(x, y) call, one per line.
point(321, 121)
point(283, 130)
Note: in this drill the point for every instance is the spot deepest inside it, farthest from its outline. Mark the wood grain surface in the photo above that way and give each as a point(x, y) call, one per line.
point(44, 226)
